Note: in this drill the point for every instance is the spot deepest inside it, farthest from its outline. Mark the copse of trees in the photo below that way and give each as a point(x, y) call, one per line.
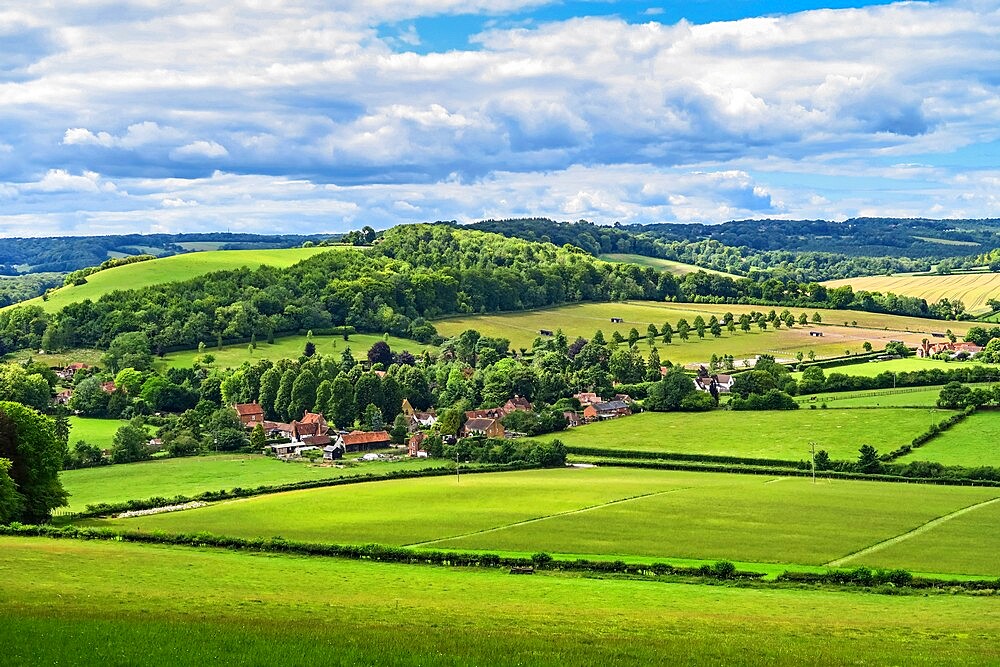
point(31, 457)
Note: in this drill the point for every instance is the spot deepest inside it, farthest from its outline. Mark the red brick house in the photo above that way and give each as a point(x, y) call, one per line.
point(250, 414)
point(606, 410)
point(516, 404)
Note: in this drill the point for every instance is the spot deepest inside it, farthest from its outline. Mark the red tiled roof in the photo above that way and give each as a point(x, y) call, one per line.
point(246, 409)
point(364, 437)
point(312, 418)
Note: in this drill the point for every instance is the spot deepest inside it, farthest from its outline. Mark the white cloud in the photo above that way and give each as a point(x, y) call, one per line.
point(198, 150)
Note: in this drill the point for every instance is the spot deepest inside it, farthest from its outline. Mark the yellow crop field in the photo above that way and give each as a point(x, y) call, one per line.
point(973, 289)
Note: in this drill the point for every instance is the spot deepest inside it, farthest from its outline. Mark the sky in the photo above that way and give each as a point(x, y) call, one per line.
point(307, 116)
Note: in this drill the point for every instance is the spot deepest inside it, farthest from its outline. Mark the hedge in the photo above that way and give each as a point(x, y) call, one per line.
point(932, 432)
point(671, 456)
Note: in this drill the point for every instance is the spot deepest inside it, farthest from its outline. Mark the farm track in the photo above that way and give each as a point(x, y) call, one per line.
point(919, 530)
point(549, 516)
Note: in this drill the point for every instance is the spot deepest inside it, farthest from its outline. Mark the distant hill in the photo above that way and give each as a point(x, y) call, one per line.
point(676, 268)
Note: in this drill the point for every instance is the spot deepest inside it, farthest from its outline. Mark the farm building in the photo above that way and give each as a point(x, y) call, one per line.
point(606, 410)
point(723, 383)
point(928, 349)
point(357, 441)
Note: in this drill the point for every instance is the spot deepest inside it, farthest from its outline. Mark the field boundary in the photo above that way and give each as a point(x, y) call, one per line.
point(536, 519)
point(902, 537)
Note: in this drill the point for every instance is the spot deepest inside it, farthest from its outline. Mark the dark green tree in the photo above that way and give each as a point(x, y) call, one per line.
point(29, 443)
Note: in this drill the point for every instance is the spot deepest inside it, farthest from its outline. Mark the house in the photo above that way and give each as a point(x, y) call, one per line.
point(487, 413)
point(516, 404)
point(606, 410)
point(928, 349)
point(414, 446)
point(250, 414)
point(311, 425)
point(69, 372)
point(108, 387)
point(357, 441)
point(587, 398)
point(572, 418)
point(625, 398)
point(424, 419)
point(483, 426)
point(62, 398)
point(278, 430)
point(723, 383)
point(407, 408)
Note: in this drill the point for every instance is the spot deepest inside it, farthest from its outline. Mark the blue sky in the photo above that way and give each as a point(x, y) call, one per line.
point(310, 115)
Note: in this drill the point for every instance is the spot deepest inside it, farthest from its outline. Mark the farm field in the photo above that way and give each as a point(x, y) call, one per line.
point(973, 289)
point(100, 432)
point(669, 265)
point(291, 347)
point(522, 328)
point(192, 475)
point(906, 397)
point(778, 434)
point(169, 269)
point(89, 356)
point(608, 511)
point(909, 364)
point(971, 443)
point(154, 607)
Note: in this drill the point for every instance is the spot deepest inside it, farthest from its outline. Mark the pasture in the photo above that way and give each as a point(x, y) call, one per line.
point(100, 432)
point(521, 328)
point(778, 434)
point(74, 610)
point(668, 265)
point(291, 347)
point(175, 268)
point(972, 289)
point(972, 443)
point(606, 511)
point(906, 397)
point(192, 475)
point(907, 365)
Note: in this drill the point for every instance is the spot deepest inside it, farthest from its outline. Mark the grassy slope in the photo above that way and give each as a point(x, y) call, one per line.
point(974, 442)
point(767, 434)
point(155, 608)
point(584, 319)
point(171, 269)
point(100, 432)
point(873, 368)
point(907, 397)
point(676, 268)
point(188, 476)
point(599, 511)
point(291, 347)
point(973, 289)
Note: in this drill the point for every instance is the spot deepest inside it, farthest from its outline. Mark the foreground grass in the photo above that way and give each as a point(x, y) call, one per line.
point(609, 511)
point(183, 606)
point(971, 443)
point(193, 475)
point(780, 434)
point(291, 347)
point(584, 319)
point(170, 269)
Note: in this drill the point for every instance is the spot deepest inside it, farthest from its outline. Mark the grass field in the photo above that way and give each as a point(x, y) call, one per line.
point(291, 347)
point(767, 434)
point(907, 397)
point(971, 443)
point(676, 268)
point(100, 432)
point(170, 269)
point(973, 289)
point(193, 475)
point(153, 607)
point(584, 319)
point(873, 368)
point(608, 511)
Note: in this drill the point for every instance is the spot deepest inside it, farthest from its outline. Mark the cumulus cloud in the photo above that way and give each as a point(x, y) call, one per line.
point(585, 117)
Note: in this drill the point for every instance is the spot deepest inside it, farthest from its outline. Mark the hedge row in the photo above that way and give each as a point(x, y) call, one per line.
point(721, 570)
point(671, 456)
point(381, 553)
point(932, 432)
point(104, 509)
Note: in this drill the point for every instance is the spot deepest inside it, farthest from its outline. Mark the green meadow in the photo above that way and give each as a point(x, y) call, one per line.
point(99, 432)
point(292, 347)
point(773, 434)
point(909, 364)
point(521, 328)
point(669, 265)
point(973, 442)
point(153, 607)
point(175, 268)
point(905, 397)
point(192, 475)
point(603, 511)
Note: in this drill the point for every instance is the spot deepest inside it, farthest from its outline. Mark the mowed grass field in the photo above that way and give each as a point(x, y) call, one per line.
point(584, 319)
point(175, 268)
point(291, 347)
point(100, 432)
point(605, 511)
point(773, 434)
point(909, 364)
point(192, 475)
point(973, 442)
point(154, 607)
point(973, 289)
point(669, 265)
point(907, 397)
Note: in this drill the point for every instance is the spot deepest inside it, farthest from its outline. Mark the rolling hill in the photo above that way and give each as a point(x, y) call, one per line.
point(676, 268)
point(973, 289)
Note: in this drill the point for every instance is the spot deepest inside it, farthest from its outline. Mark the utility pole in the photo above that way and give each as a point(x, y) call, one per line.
point(812, 446)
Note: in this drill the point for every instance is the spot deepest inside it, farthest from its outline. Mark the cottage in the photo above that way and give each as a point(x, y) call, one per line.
point(954, 350)
point(357, 441)
point(278, 430)
point(572, 418)
point(606, 410)
point(69, 372)
point(63, 397)
point(250, 414)
point(483, 427)
point(723, 383)
point(487, 413)
point(587, 398)
point(414, 445)
point(516, 404)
